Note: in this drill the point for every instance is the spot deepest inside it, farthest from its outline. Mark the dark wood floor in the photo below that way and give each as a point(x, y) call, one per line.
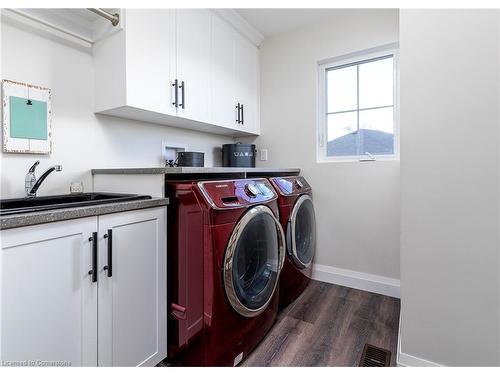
point(328, 325)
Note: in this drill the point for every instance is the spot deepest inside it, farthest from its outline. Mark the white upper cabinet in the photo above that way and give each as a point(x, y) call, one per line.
point(247, 84)
point(150, 59)
point(234, 79)
point(187, 68)
point(223, 74)
point(193, 63)
point(135, 67)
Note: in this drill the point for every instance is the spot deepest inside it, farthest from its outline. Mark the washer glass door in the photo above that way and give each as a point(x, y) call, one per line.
point(253, 260)
point(301, 232)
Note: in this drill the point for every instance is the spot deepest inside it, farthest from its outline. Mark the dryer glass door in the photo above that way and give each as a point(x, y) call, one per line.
point(253, 260)
point(301, 232)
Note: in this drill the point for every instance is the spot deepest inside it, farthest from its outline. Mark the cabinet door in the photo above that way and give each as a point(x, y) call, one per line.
point(150, 57)
point(193, 63)
point(223, 74)
point(48, 300)
point(132, 299)
point(247, 81)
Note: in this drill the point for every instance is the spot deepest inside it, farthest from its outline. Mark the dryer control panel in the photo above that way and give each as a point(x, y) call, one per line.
point(237, 193)
point(293, 185)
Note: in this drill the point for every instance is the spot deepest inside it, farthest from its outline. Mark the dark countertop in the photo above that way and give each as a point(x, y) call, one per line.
point(196, 170)
point(41, 217)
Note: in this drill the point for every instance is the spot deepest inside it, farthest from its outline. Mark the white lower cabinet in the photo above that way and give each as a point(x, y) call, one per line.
point(132, 298)
point(53, 310)
point(48, 301)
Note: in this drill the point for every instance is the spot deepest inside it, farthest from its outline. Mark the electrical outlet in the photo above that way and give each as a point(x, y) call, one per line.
point(263, 155)
point(76, 187)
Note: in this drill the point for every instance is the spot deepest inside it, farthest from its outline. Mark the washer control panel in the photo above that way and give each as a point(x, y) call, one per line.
point(237, 193)
point(251, 190)
point(293, 185)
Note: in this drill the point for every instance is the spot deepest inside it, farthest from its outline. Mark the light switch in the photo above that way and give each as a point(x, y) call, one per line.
point(263, 155)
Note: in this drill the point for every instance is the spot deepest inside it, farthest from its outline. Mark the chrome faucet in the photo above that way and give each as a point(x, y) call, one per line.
point(31, 183)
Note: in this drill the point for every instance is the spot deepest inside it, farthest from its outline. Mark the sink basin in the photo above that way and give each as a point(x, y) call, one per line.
point(22, 205)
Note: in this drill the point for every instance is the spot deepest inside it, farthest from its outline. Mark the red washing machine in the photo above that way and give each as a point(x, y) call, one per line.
point(226, 251)
point(298, 219)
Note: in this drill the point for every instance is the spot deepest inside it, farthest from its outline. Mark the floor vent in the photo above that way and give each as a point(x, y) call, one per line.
point(374, 356)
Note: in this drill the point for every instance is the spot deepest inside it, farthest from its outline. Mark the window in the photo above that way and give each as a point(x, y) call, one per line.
point(358, 107)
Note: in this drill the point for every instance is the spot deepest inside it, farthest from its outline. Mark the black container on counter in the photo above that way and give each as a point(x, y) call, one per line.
point(190, 159)
point(238, 155)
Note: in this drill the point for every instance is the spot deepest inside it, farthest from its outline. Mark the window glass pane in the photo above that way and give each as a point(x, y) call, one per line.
point(342, 134)
point(376, 83)
point(342, 87)
point(376, 130)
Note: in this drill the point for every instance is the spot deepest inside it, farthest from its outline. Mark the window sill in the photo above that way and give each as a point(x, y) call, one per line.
point(348, 160)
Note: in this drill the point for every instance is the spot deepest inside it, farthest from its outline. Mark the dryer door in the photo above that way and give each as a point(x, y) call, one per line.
point(253, 260)
point(301, 232)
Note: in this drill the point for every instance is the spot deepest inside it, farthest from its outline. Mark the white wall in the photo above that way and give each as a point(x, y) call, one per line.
point(81, 140)
point(450, 148)
point(357, 204)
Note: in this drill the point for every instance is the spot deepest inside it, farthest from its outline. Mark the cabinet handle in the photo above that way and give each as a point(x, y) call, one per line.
point(109, 266)
point(183, 87)
point(242, 112)
point(238, 114)
point(93, 271)
point(176, 93)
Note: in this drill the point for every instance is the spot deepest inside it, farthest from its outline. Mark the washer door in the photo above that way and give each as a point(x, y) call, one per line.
point(301, 232)
point(253, 260)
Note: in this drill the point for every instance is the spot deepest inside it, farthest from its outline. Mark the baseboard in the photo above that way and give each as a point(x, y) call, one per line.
point(407, 360)
point(357, 280)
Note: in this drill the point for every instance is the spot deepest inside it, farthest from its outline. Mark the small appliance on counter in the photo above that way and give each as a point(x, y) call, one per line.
point(190, 159)
point(238, 155)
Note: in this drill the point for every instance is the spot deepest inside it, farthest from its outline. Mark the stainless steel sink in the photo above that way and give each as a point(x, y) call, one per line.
point(25, 205)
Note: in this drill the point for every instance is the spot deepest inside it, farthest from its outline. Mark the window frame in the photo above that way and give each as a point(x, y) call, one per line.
point(322, 123)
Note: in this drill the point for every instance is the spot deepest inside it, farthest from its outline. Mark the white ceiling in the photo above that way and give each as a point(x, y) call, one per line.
point(270, 22)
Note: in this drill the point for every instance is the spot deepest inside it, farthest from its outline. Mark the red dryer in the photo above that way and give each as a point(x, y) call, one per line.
point(226, 251)
point(298, 220)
